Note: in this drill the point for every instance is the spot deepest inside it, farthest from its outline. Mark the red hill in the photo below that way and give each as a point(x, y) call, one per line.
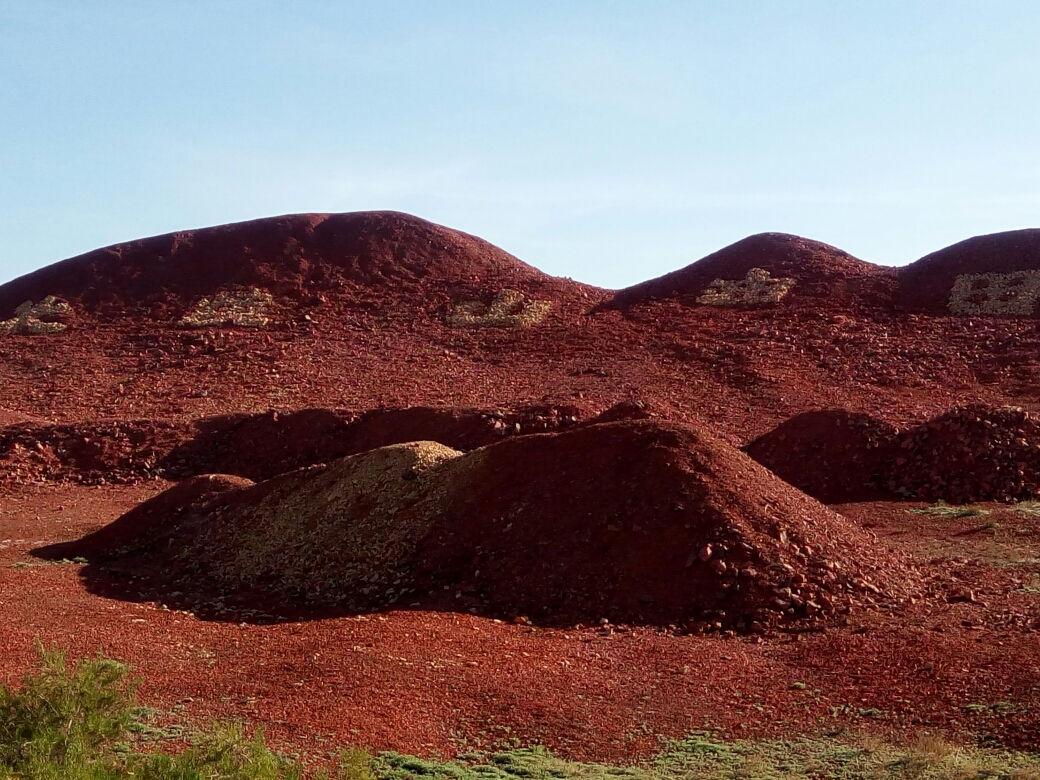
point(380, 253)
point(1006, 277)
point(782, 267)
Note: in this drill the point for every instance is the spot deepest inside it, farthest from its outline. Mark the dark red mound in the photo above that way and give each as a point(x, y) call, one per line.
point(928, 284)
point(834, 455)
point(632, 521)
point(820, 272)
point(264, 445)
point(385, 254)
point(974, 453)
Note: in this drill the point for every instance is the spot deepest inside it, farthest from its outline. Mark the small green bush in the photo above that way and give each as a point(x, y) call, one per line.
point(59, 717)
point(77, 725)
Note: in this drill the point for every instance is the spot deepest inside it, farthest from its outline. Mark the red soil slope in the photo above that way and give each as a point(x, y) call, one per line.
point(926, 285)
point(297, 258)
point(822, 273)
point(375, 329)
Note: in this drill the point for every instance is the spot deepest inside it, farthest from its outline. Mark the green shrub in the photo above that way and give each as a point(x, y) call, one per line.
point(58, 717)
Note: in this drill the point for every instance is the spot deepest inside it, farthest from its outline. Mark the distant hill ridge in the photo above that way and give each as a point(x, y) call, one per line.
point(292, 256)
point(394, 256)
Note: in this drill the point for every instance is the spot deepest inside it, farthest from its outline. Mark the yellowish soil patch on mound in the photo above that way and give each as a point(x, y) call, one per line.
point(39, 319)
point(509, 309)
point(249, 308)
point(330, 530)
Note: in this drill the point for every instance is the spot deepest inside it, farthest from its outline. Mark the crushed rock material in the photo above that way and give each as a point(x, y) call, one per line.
point(971, 453)
point(833, 455)
point(968, 454)
point(257, 446)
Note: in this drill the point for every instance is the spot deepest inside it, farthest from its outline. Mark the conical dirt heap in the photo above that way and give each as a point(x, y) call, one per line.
point(639, 522)
point(832, 454)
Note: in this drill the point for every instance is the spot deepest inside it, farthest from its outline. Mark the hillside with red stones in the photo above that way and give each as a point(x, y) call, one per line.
point(929, 284)
point(299, 259)
point(816, 271)
point(315, 342)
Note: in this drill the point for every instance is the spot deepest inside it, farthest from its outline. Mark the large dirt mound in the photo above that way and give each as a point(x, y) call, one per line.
point(833, 455)
point(769, 269)
point(260, 267)
point(629, 521)
point(997, 275)
point(972, 453)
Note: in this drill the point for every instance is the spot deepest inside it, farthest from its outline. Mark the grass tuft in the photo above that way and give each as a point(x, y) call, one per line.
point(942, 509)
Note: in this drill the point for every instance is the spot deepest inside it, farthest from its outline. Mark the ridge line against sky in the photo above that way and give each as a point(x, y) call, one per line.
point(609, 142)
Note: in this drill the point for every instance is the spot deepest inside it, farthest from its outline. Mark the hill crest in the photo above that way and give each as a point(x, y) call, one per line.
point(769, 269)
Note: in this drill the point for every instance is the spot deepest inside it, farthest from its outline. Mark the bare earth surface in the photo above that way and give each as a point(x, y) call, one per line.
point(361, 317)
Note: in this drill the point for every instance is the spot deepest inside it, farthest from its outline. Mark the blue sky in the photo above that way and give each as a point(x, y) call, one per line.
point(605, 141)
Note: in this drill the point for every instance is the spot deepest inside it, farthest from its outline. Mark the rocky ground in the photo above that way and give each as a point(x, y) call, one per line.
point(260, 348)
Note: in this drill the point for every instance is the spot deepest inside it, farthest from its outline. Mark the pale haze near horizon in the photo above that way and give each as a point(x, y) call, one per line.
point(608, 142)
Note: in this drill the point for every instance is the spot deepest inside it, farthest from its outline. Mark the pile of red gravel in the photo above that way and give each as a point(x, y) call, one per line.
point(257, 446)
point(833, 455)
point(262, 446)
point(972, 453)
point(91, 454)
point(635, 522)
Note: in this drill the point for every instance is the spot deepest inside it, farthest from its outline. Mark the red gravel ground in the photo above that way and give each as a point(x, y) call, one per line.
point(422, 681)
point(359, 323)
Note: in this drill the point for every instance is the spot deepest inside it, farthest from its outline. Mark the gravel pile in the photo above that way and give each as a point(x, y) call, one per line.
point(833, 455)
point(633, 522)
point(972, 453)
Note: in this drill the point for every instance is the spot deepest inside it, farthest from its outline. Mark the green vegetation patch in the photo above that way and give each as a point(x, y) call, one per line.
point(81, 722)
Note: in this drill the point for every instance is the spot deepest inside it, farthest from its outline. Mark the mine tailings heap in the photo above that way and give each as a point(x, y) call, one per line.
point(636, 522)
point(970, 453)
